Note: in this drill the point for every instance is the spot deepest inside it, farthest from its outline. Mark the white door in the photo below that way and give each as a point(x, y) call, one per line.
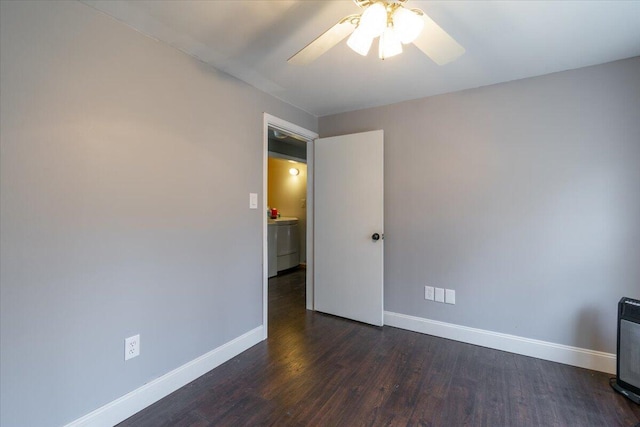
point(348, 227)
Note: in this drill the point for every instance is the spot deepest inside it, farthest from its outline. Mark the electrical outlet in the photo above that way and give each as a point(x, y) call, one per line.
point(439, 295)
point(429, 293)
point(132, 347)
point(449, 296)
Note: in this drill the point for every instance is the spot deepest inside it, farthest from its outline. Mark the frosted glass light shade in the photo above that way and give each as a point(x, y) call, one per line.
point(389, 44)
point(407, 24)
point(360, 42)
point(374, 20)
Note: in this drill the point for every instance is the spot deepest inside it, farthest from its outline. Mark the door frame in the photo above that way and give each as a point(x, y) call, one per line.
point(310, 137)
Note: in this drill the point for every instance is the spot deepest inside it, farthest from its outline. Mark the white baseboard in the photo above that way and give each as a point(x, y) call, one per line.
point(122, 408)
point(580, 357)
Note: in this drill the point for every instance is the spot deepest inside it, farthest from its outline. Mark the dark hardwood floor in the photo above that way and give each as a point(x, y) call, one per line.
point(319, 370)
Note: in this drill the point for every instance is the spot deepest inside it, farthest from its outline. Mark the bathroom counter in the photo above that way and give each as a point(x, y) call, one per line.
point(284, 220)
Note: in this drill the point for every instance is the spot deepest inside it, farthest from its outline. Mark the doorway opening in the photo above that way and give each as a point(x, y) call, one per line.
point(287, 204)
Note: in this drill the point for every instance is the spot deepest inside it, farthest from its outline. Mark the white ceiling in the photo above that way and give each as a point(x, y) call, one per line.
point(505, 40)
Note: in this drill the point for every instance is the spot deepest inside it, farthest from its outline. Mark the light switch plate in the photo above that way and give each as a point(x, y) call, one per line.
point(253, 200)
point(450, 296)
point(439, 295)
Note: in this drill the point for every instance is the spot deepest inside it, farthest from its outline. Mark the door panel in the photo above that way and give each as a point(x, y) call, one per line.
point(348, 206)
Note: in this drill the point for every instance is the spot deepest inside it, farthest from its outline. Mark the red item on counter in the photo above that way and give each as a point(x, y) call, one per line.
point(274, 213)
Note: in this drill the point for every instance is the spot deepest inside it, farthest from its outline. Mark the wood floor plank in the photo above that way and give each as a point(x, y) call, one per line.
point(321, 370)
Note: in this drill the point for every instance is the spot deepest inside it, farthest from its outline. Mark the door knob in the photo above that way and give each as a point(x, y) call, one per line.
point(375, 236)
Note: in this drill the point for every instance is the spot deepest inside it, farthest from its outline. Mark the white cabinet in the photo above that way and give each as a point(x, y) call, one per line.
point(283, 244)
point(288, 244)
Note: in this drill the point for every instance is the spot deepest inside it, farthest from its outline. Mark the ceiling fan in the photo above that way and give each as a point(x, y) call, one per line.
point(394, 24)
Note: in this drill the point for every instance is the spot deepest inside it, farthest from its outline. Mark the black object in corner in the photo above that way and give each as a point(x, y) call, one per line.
point(627, 380)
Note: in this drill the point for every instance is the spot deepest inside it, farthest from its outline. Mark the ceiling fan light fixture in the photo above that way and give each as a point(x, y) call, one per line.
point(360, 42)
point(394, 23)
point(389, 44)
point(408, 24)
point(374, 20)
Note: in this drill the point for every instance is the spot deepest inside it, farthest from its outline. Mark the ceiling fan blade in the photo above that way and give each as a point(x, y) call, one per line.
point(436, 43)
point(326, 41)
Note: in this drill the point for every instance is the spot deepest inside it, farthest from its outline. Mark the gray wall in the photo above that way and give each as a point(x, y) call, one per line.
point(524, 197)
point(124, 209)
